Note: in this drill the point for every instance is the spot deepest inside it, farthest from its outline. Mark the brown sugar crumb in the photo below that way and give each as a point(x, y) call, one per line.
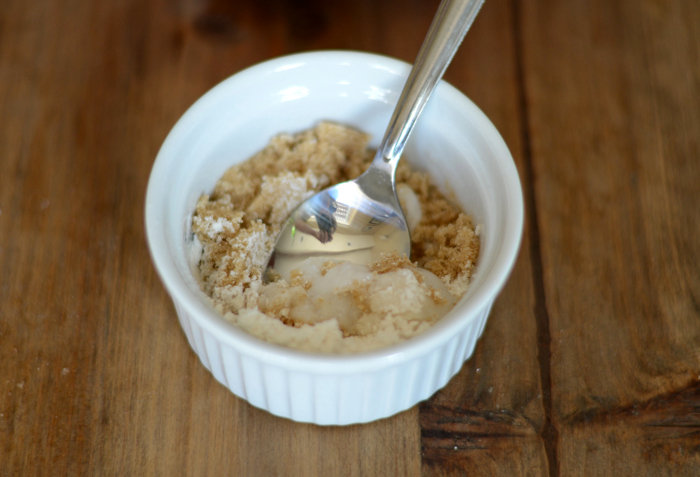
point(296, 279)
point(390, 261)
point(327, 266)
point(435, 295)
point(280, 305)
point(419, 276)
point(358, 292)
point(449, 250)
point(444, 241)
point(291, 322)
point(272, 275)
point(216, 220)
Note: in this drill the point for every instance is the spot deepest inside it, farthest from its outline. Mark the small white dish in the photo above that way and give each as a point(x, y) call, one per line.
point(453, 140)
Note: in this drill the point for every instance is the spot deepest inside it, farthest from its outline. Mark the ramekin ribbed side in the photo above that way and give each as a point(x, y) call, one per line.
point(328, 399)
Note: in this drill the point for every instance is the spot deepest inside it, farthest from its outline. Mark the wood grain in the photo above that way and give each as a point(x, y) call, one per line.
point(590, 362)
point(613, 95)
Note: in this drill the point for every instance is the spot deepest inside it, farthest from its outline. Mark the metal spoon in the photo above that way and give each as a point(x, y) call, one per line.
point(360, 219)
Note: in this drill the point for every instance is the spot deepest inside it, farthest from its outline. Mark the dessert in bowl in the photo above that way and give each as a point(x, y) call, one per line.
point(453, 142)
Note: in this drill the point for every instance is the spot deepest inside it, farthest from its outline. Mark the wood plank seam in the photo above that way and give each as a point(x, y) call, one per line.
point(549, 432)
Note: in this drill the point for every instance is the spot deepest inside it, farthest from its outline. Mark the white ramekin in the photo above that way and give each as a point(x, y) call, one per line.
point(453, 140)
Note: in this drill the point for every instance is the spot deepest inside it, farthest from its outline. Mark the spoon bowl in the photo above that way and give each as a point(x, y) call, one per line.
point(354, 221)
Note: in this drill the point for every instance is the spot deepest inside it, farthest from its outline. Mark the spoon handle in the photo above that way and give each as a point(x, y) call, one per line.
point(451, 23)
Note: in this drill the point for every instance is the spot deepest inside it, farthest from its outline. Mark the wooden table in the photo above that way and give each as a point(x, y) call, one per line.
point(590, 363)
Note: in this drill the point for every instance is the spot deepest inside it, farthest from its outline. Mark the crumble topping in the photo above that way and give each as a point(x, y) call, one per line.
point(328, 306)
